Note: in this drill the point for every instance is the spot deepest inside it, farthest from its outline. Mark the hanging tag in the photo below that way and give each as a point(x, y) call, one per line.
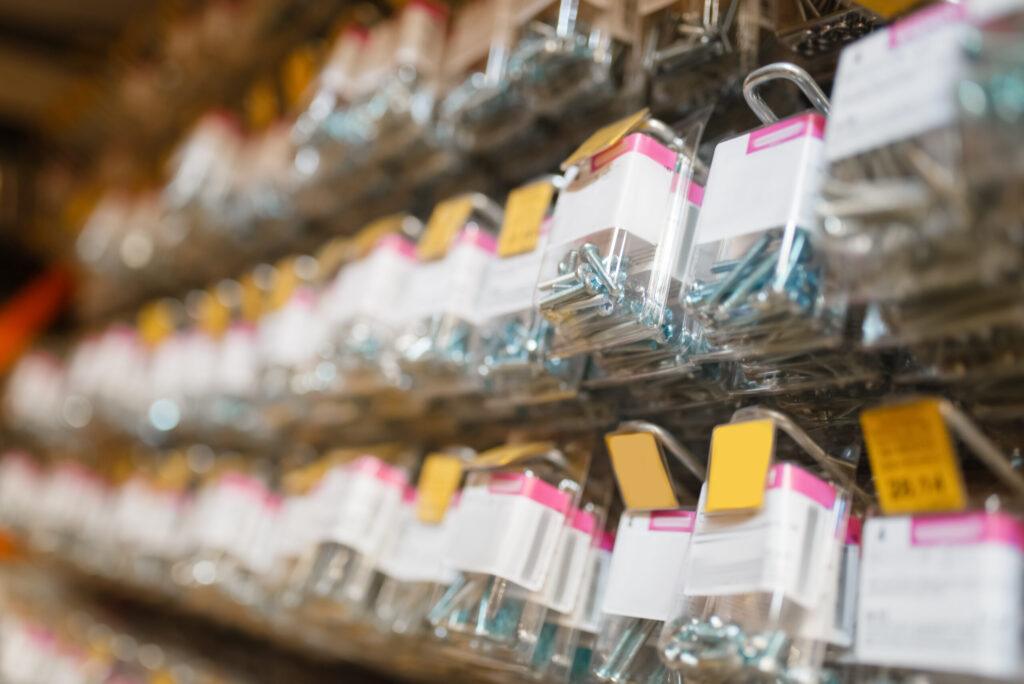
point(297, 73)
point(738, 470)
point(888, 9)
point(253, 300)
point(439, 480)
point(284, 283)
point(912, 459)
point(524, 214)
point(261, 105)
point(605, 137)
point(214, 317)
point(155, 322)
point(640, 471)
point(367, 238)
point(445, 222)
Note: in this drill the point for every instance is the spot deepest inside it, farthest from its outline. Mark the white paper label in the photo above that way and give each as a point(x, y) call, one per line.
point(768, 178)
point(900, 81)
point(369, 508)
point(509, 527)
point(647, 563)
point(416, 554)
point(587, 613)
point(784, 547)
point(510, 284)
point(569, 567)
point(628, 188)
point(943, 593)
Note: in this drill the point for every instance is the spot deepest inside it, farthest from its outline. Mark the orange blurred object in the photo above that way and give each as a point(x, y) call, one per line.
point(30, 310)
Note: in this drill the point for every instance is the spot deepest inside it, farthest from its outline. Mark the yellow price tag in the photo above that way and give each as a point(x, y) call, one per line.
point(603, 138)
point(525, 210)
point(445, 222)
point(253, 300)
point(214, 316)
point(261, 106)
point(738, 469)
point(439, 480)
point(367, 238)
point(888, 9)
point(285, 282)
point(155, 322)
point(641, 472)
point(298, 72)
point(912, 459)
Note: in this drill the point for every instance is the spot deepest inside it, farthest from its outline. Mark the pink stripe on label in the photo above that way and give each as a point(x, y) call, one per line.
point(531, 487)
point(409, 495)
point(304, 297)
point(809, 125)
point(582, 521)
point(967, 528)
point(479, 238)
point(607, 542)
point(672, 521)
point(243, 328)
point(637, 143)
point(273, 501)
point(854, 530)
point(795, 478)
point(436, 9)
point(399, 245)
point(925, 21)
point(244, 483)
point(376, 468)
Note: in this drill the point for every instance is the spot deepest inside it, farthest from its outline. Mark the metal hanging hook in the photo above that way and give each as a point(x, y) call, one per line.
point(786, 71)
point(670, 443)
point(984, 448)
point(805, 442)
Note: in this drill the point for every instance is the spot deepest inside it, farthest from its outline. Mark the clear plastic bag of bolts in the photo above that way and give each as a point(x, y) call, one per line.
point(146, 511)
point(440, 309)
point(903, 230)
point(620, 234)
point(954, 533)
point(354, 509)
point(761, 584)
point(34, 396)
point(653, 532)
point(413, 563)
point(259, 200)
point(572, 56)
point(756, 282)
point(698, 50)
point(21, 479)
point(487, 108)
point(565, 642)
point(512, 340)
point(813, 28)
point(363, 307)
point(225, 557)
point(202, 169)
point(397, 86)
point(291, 333)
point(511, 516)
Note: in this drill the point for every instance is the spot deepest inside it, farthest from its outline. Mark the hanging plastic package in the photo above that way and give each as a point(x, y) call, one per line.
point(364, 306)
point(440, 310)
point(513, 340)
point(620, 236)
point(413, 562)
point(507, 531)
point(650, 548)
point(357, 505)
point(900, 210)
point(761, 576)
point(755, 285)
point(941, 580)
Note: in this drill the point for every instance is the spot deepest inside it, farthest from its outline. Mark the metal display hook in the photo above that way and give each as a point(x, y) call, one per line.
point(785, 71)
point(670, 443)
point(828, 463)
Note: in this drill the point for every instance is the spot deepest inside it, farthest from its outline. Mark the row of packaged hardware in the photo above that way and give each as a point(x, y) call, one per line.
point(565, 560)
point(769, 298)
point(425, 105)
point(803, 256)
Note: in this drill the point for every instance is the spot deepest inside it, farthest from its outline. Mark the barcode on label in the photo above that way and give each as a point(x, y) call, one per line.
point(530, 565)
point(807, 550)
point(568, 554)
